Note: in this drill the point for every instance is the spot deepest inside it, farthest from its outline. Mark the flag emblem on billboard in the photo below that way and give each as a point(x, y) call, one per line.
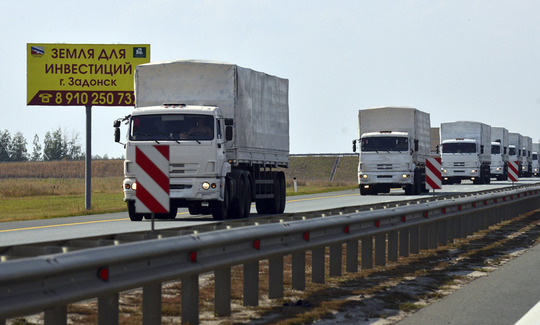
point(37, 50)
point(139, 52)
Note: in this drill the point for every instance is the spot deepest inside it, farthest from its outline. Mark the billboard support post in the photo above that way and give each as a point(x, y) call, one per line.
point(88, 159)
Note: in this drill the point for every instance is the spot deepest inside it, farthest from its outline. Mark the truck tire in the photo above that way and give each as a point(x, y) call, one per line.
point(220, 209)
point(238, 204)
point(283, 192)
point(246, 197)
point(131, 212)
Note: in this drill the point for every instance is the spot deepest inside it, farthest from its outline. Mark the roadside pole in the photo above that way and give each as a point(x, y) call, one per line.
point(88, 159)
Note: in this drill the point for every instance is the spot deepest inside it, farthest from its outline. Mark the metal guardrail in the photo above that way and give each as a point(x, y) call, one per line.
point(50, 283)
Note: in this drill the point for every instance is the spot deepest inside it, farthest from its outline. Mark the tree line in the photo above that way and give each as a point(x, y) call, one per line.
point(57, 145)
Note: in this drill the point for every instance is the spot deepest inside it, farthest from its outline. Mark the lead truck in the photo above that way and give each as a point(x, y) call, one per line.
point(227, 129)
point(394, 145)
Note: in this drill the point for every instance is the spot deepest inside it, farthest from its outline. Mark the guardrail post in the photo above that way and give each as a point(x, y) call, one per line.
point(404, 242)
point(275, 277)
point(336, 252)
point(432, 235)
point(414, 240)
point(222, 291)
point(317, 264)
point(108, 310)
point(151, 308)
point(442, 230)
point(190, 299)
point(423, 236)
point(299, 270)
point(367, 252)
point(251, 284)
point(393, 245)
point(351, 255)
point(450, 230)
point(380, 249)
point(55, 316)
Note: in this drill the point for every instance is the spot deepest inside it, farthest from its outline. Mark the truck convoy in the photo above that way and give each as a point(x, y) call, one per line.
point(466, 152)
point(394, 145)
point(227, 129)
point(499, 153)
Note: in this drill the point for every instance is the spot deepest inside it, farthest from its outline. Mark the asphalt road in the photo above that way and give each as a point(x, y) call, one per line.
point(502, 297)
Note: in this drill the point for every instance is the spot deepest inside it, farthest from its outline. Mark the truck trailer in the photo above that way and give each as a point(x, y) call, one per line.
point(394, 145)
point(227, 129)
point(499, 153)
point(466, 152)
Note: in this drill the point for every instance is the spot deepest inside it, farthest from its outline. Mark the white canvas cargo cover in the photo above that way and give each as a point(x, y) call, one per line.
point(398, 119)
point(258, 102)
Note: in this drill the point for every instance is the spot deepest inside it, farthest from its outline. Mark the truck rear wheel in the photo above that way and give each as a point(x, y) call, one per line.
point(283, 192)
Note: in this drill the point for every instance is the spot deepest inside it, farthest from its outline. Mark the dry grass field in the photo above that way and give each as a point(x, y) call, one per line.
point(33, 190)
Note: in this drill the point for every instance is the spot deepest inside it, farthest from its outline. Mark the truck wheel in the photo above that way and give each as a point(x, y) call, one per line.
point(221, 208)
point(283, 192)
point(238, 205)
point(131, 212)
point(246, 197)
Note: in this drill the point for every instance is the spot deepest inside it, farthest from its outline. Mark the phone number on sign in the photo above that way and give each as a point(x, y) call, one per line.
point(100, 98)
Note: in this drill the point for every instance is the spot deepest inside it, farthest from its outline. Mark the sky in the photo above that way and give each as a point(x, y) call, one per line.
point(457, 60)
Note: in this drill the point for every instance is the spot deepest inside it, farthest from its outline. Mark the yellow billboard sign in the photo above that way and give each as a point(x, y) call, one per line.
point(83, 74)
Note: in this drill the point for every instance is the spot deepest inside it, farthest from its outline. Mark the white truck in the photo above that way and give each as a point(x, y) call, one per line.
point(394, 145)
point(499, 153)
point(466, 152)
point(535, 162)
point(515, 148)
point(527, 156)
point(227, 128)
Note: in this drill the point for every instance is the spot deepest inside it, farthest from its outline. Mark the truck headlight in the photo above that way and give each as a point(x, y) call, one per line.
point(364, 176)
point(406, 176)
point(205, 185)
point(474, 171)
point(133, 186)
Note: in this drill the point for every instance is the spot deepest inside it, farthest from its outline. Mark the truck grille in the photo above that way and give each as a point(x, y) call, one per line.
point(180, 170)
point(384, 166)
point(459, 164)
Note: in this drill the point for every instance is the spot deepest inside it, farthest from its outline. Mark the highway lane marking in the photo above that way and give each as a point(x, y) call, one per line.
point(112, 220)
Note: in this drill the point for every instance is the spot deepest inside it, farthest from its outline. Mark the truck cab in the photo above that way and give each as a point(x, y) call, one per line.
point(197, 161)
point(498, 165)
point(386, 161)
point(460, 159)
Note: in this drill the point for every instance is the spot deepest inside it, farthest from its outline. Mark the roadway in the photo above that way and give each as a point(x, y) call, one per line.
point(42, 230)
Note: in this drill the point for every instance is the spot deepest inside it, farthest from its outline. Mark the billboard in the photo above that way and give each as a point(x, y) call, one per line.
point(83, 74)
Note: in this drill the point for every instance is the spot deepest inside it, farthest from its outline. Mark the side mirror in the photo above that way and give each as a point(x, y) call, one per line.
point(481, 149)
point(415, 144)
point(116, 123)
point(354, 146)
point(437, 149)
point(228, 133)
point(117, 133)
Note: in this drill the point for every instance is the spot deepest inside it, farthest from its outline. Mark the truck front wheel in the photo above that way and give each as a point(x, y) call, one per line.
point(220, 209)
point(131, 212)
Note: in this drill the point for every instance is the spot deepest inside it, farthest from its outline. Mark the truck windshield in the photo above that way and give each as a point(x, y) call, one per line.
point(495, 149)
point(385, 144)
point(459, 147)
point(512, 151)
point(171, 127)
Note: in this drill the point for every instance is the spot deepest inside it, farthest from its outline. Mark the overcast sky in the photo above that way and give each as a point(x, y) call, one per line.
point(457, 60)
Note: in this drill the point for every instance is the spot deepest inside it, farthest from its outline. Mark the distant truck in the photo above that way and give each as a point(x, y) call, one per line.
point(527, 157)
point(227, 129)
point(515, 149)
point(394, 143)
point(499, 153)
point(466, 152)
point(535, 162)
